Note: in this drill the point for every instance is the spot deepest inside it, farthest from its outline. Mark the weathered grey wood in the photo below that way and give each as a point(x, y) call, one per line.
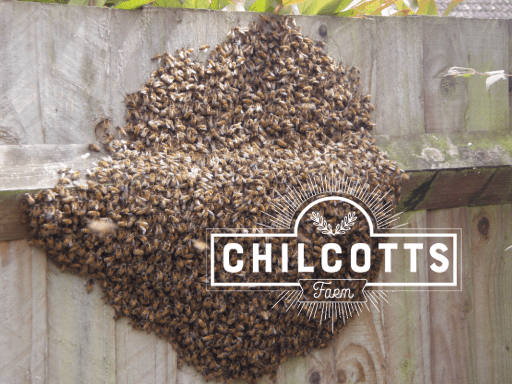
point(452, 329)
point(83, 60)
point(142, 358)
point(36, 166)
point(487, 50)
point(406, 317)
point(462, 104)
point(448, 173)
point(360, 353)
point(23, 328)
point(20, 112)
point(81, 332)
point(397, 88)
point(445, 98)
point(77, 65)
point(350, 43)
point(489, 302)
point(448, 150)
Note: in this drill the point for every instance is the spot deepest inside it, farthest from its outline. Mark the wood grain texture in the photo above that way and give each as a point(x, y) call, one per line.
point(20, 107)
point(142, 358)
point(462, 104)
point(350, 43)
point(486, 44)
point(23, 328)
point(452, 327)
point(456, 188)
point(35, 166)
point(399, 65)
point(81, 332)
point(75, 68)
point(490, 306)
point(445, 98)
point(406, 318)
point(359, 351)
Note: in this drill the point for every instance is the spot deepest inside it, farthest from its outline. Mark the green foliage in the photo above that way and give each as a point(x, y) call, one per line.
point(132, 4)
point(219, 4)
point(452, 5)
point(262, 6)
point(168, 3)
point(196, 4)
point(342, 8)
point(427, 7)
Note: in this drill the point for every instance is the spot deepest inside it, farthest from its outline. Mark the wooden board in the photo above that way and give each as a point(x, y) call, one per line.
point(74, 69)
point(57, 329)
point(20, 109)
point(398, 68)
point(81, 331)
point(23, 323)
point(462, 104)
point(142, 358)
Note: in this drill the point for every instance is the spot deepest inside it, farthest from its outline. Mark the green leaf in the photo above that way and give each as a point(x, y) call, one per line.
point(327, 7)
point(196, 4)
point(321, 7)
point(452, 5)
point(132, 4)
point(290, 2)
point(368, 6)
point(345, 4)
point(262, 6)
point(401, 6)
point(427, 7)
point(78, 2)
point(383, 5)
point(219, 4)
point(307, 7)
point(351, 13)
point(168, 3)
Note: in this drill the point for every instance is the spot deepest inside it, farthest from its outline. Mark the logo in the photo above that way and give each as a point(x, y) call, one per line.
point(337, 267)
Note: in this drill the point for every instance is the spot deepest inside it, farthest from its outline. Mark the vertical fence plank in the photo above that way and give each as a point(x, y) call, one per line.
point(142, 357)
point(81, 344)
point(350, 43)
point(398, 46)
point(445, 98)
point(502, 303)
point(452, 320)
point(359, 352)
point(462, 104)
point(491, 304)
point(19, 99)
point(74, 79)
point(487, 50)
point(23, 308)
point(406, 318)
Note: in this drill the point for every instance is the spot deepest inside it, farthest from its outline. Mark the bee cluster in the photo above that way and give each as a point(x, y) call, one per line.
point(215, 145)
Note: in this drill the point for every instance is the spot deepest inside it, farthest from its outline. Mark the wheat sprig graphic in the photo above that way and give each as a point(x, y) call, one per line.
point(326, 228)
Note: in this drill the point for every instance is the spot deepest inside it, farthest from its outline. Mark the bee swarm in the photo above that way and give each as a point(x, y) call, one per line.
point(209, 145)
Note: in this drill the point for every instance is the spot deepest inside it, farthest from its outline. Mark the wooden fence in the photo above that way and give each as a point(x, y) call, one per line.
point(65, 68)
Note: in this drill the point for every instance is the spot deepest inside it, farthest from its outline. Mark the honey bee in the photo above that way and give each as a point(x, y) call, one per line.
point(94, 147)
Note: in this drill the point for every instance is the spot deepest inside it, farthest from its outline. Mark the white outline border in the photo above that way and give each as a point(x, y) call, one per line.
point(372, 234)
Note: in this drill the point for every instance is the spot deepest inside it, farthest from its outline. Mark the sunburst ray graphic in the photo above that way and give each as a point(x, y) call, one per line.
point(295, 197)
point(332, 310)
